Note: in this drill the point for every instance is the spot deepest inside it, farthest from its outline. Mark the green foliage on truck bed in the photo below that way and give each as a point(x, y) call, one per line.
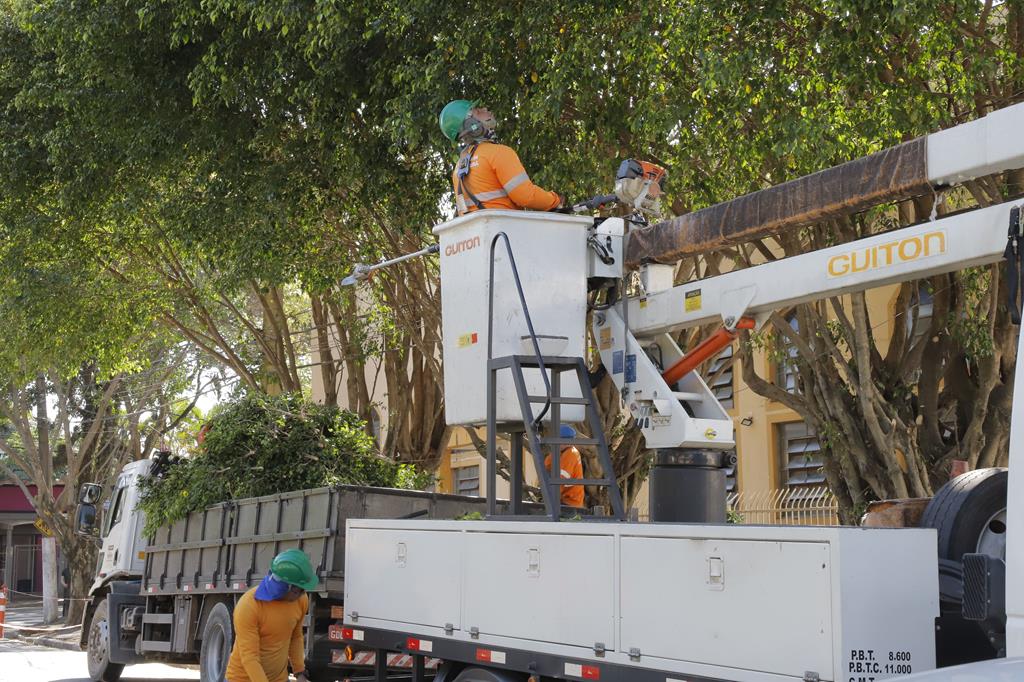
point(262, 445)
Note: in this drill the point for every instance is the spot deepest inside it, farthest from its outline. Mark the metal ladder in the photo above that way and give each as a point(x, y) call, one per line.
point(531, 429)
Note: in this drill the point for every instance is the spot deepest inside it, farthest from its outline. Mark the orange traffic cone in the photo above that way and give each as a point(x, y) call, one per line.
point(3, 608)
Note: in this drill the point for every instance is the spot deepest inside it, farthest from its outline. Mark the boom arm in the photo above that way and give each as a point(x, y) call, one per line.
point(686, 413)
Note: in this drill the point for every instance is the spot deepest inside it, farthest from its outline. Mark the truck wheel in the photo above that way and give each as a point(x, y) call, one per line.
point(488, 675)
point(100, 667)
point(218, 637)
point(969, 514)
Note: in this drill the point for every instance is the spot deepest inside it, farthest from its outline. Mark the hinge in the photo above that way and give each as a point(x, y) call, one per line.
point(634, 654)
point(812, 677)
point(599, 648)
point(354, 616)
point(449, 628)
point(474, 632)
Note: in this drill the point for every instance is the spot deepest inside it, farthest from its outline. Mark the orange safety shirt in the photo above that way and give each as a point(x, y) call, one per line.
point(268, 634)
point(571, 464)
point(498, 180)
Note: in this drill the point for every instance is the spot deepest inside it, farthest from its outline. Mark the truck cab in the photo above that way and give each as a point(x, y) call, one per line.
point(122, 545)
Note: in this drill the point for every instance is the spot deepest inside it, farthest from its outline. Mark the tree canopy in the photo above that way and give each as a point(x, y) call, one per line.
point(214, 168)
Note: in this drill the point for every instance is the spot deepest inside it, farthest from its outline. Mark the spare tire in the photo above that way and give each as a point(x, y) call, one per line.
point(969, 514)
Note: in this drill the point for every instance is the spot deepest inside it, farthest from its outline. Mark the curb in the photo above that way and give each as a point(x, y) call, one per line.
point(51, 642)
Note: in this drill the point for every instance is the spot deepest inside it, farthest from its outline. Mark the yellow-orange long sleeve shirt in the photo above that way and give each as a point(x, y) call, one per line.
point(267, 635)
point(498, 180)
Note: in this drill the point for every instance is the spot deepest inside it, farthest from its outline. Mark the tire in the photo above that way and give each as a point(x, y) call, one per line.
point(218, 638)
point(489, 675)
point(98, 650)
point(969, 514)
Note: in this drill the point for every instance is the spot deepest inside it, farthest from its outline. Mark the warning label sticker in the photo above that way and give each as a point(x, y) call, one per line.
point(692, 300)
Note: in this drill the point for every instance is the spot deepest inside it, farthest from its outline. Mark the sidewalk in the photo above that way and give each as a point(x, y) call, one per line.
point(24, 621)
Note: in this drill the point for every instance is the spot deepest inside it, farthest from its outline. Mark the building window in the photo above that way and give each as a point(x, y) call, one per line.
point(785, 370)
point(720, 376)
point(466, 481)
point(799, 456)
point(730, 478)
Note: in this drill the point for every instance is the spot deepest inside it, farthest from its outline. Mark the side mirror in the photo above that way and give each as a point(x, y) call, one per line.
point(90, 493)
point(85, 520)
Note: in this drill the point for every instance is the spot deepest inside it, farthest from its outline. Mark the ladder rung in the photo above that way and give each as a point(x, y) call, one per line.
point(561, 400)
point(582, 481)
point(568, 441)
point(549, 361)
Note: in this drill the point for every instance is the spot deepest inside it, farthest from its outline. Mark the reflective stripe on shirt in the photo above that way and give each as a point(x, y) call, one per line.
point(460, 202)
point(516, 181)
point(487, 196)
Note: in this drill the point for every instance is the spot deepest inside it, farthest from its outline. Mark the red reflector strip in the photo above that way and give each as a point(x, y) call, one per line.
point(489, 656)
point(337, 613)
point(337, 633)
point(413, 644)
point(586, 672)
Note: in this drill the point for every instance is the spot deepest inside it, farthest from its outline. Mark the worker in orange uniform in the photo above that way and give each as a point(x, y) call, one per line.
point(488, 174)
point(571, 464)
point(268, 623)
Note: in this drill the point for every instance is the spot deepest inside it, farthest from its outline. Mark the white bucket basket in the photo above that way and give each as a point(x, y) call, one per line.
point(550, 252)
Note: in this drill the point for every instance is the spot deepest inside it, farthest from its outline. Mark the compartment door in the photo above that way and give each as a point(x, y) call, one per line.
point(405, 576)
point(541, 587)
point(754, 605)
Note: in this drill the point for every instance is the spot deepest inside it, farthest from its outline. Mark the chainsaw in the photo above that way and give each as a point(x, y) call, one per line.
point(638, 186)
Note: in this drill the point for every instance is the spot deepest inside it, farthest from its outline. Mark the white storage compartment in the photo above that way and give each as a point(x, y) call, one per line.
point(519, 586)
point(404, 577)
point(550, 251)
point(745, 603)
point(752, 605)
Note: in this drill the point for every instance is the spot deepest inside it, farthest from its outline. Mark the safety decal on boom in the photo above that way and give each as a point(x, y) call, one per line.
point(630, 368)
point(692, 301)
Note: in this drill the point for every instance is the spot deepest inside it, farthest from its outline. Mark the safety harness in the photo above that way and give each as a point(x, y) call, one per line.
point(462, 172)
point(1014, 255)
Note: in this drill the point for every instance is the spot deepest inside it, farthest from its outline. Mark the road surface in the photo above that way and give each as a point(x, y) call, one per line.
point(25, 663)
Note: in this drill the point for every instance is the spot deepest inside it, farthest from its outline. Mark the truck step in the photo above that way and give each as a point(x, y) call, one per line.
point(156, 646)
point(158, 618)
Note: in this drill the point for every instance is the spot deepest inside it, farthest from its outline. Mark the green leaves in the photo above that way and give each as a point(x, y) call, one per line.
point(260, 445)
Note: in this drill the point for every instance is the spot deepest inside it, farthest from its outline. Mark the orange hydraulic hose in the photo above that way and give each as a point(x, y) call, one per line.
point(707, 348)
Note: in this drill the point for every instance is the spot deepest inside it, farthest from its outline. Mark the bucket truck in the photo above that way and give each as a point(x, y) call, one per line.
point(515, 599)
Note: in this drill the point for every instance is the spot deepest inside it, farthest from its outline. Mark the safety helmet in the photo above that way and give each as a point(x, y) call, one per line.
point(292, 566)
point(566, 431)
point(452, 116)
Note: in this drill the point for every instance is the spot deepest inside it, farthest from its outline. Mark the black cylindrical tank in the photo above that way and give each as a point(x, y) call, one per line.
point(688, 486)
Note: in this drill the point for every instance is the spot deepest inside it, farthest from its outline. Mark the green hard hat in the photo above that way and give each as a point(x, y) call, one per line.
point(293, 567)
point(452, 116)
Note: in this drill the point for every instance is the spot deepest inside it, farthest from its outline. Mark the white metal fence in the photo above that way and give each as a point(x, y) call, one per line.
point(787, 507)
